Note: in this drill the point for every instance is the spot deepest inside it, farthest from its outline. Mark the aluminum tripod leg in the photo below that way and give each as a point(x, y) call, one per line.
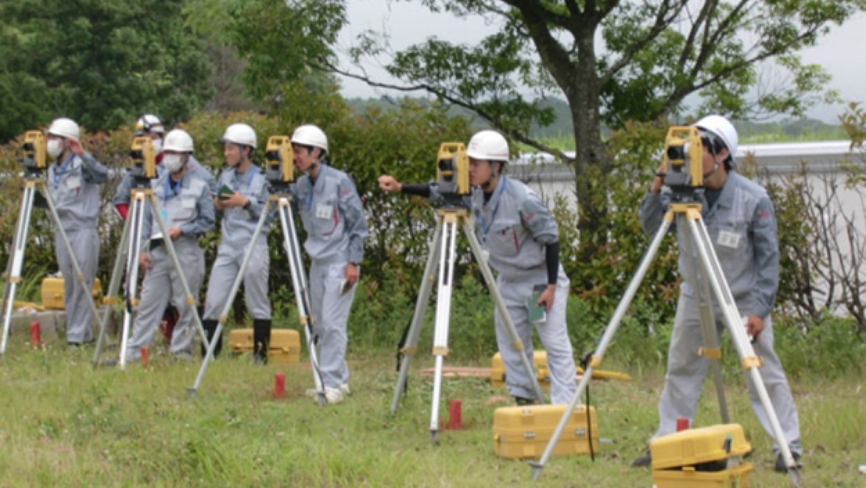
point(411, 345)
point(16, 260)
point(516, 343)
point(606, 338)
point(135, 218)
point(746, 353)
point(113, 288)
point(228, 305)
point(710, 349)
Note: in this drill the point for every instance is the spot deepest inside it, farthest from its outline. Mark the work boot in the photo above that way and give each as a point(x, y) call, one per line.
point(523, 402)
point(781, 467)
point(261, 340)
point(644, 461)
point(210, 327)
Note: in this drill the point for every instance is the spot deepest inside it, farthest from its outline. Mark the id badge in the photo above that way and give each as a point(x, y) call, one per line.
point(728, 239)
point(164, 215)
point(73, 182)
point(324, 211)
point(188, 203)
point(245, 214)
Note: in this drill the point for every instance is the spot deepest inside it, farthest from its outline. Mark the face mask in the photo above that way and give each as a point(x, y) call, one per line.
point(172, 162)
point(157, 145)
point(54, 147)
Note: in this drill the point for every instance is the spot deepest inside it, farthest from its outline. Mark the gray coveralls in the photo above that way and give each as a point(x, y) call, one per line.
point(742, 227)
point(515, 226)
point(191, 208)
point(74, 187)
point(336, 226)
point(238, 226)
point(122, 193)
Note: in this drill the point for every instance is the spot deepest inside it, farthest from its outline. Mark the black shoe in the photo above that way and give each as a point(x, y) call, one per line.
point(781, 467)
point(210, 327)
point(261, 340)
point(644, 461)
point(523, 402)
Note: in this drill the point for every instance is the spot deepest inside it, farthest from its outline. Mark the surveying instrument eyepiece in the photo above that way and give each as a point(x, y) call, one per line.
point(279, 169)
point(684, 162)
point(33, 152)
point(452, 173)
point(142, 162)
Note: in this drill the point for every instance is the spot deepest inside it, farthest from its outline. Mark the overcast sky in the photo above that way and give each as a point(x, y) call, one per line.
point(409, 23)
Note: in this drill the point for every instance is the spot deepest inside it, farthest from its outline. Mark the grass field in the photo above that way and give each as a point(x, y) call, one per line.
point(65, 424)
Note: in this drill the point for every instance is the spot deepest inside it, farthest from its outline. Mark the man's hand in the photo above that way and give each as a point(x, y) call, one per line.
point(74, 146)
point(389, 184)
point(144, 261)
point(218, 204)
point(174, 233)
point(547, 297)
point(658, 181)
point(236, 199)
point(754, 326)
point(351, 274)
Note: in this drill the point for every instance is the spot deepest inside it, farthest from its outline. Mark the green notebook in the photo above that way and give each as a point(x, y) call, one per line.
point(225, 192)
point(536, 313)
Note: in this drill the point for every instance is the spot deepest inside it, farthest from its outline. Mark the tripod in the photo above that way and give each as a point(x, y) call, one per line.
point(299, 282)
point(130, 241)
point(689, 220)
point(442, 253)
point(33, 183)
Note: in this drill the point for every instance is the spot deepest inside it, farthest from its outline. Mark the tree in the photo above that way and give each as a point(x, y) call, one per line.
point(655, 54)
point(100, 62)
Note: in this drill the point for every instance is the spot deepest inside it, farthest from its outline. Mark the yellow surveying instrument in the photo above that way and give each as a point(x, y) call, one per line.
point(453, 171)
point(684, 161)
point(279, 173)
point(142, 167)
point(33, 158)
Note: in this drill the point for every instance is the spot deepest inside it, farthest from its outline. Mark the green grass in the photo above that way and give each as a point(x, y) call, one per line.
point(66, 424)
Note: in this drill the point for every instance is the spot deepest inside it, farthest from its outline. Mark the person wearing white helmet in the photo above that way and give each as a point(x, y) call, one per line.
point(336, 225)
point(73, 182)
point(241, 209)
point(149, 125)
point(516, 228)
point(185, 206)
point(741, 222)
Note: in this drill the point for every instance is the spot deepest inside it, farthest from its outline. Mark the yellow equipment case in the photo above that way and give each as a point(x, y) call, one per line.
point(285, 345)
point(523, 432)
point(52, 292)
point(707, 457)
point(539, 361)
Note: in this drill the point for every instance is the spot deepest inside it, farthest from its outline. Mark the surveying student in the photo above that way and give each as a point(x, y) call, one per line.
point(241, 209)
point(741, 223)
point(336, 227)
point(185, 206)
point(516, 228)
point(73, 182)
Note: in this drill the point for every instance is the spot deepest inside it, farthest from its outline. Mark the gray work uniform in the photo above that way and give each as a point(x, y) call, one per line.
point(336, 226)
point(742, 228)
point(122, 193)
point(189, 207)
point(515, 227)
point(74, 188)
point(238, 226)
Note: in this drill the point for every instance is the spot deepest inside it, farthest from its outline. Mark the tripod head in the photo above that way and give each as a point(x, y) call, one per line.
point(33, 153)
point(142, 162)
point(452, 173)
point(684, 163)
point(279, 169)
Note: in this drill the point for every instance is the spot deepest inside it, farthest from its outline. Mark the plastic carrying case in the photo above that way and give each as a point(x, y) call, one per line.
point(701, 458)
point(523, 432)
point(285, 345)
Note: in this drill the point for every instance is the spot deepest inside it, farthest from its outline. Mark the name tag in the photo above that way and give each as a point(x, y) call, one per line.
point(188, 202)
point(245, 214)
point(73, 182)
point(728, 239)
point(324, 211)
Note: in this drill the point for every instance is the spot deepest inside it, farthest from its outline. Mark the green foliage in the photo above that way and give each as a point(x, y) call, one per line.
point(101, 63)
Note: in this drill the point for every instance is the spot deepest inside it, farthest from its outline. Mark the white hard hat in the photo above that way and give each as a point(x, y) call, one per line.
point(488, 145)
point(178, 140)
point(149, 123)
point(241, 134)
point(310, 135)
point(64, 127)
point(723, 129)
